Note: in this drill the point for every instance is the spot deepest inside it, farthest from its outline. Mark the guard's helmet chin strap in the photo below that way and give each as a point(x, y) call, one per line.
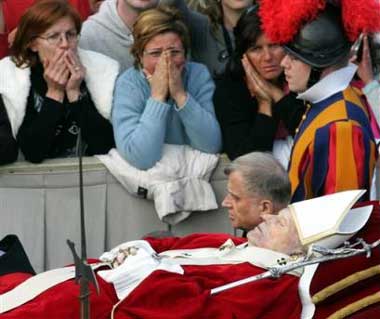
point(315, 76)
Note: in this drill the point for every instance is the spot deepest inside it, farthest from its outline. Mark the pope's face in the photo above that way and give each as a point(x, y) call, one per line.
point(276, 232)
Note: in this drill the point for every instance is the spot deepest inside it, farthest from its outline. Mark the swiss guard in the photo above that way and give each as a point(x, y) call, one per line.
point(334, 148)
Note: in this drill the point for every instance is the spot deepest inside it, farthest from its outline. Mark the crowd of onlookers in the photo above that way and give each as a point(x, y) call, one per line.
point(137, 78)
point(137, 75)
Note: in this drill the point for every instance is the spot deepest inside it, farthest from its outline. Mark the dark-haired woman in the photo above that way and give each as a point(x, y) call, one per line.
point(250, 97)
point(50, 89)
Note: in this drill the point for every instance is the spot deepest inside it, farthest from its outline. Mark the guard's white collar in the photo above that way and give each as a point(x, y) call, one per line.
point(333, 83)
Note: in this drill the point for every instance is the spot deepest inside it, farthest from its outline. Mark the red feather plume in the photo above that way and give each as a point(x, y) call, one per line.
point(282, 19)
point(360, 16)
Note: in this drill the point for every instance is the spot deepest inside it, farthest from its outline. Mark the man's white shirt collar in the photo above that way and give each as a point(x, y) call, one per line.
point(333, 83)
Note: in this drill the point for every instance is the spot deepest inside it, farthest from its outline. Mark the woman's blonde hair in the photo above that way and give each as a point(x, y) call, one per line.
point(157, 21)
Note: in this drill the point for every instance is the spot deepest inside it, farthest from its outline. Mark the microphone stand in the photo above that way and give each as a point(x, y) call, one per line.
point(83, 271)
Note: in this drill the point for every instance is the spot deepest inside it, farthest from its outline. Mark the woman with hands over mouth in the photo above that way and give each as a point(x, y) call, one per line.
point(63, 71)
point(165, 77)
point(251, 97)
point(163, 99)
point(51, 89)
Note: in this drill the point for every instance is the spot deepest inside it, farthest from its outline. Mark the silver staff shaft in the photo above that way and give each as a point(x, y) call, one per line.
point(266, 274)
point(324, 255)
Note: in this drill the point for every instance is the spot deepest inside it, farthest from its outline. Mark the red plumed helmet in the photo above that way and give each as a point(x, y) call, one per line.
point(282, 19)
point(360, 16)
point(318, 32)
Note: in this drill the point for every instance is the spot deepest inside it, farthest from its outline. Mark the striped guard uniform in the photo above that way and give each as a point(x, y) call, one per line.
point(334, 149)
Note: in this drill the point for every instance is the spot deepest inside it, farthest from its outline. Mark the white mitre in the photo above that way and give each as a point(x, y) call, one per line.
point(329, 220)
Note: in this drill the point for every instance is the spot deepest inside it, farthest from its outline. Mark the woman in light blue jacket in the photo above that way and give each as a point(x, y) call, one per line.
point(163, 98)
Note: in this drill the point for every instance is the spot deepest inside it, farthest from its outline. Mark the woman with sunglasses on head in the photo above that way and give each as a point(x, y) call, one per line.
point(211, 32)
point(50, 89)
point(163, 98)
point(250, 97)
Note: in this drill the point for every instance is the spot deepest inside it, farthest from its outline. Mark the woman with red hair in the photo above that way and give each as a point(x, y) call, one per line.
point(50, 89)
point(12, 10)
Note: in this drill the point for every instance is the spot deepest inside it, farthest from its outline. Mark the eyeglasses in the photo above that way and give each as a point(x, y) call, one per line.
point(57, 38)
point(157, 53)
